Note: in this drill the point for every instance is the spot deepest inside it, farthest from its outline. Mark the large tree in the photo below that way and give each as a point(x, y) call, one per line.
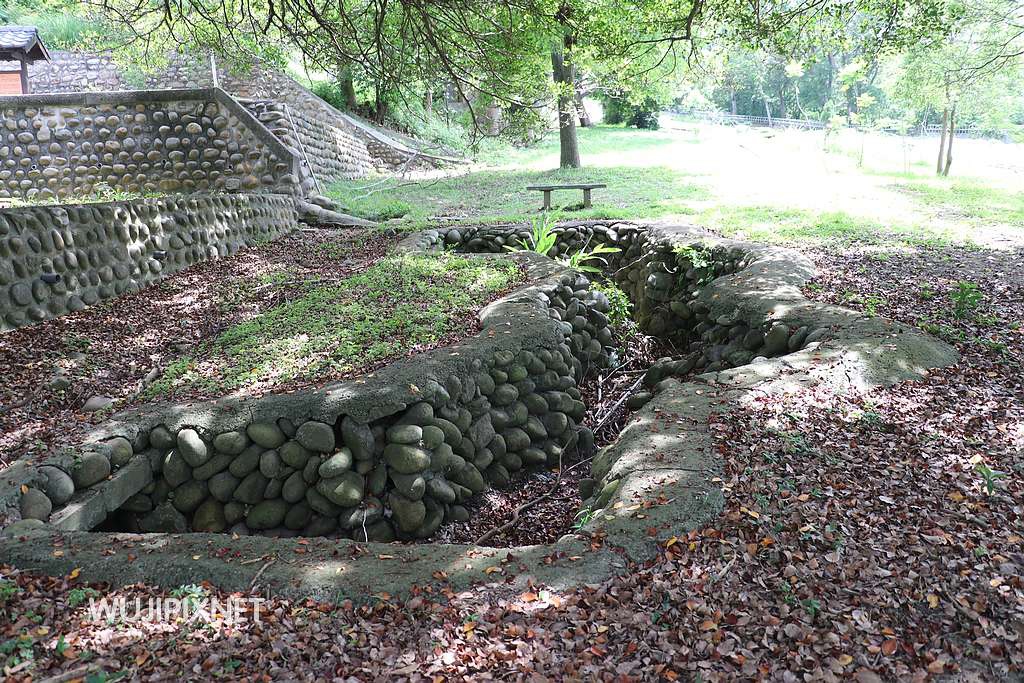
point(518, 53)
point(972, 64)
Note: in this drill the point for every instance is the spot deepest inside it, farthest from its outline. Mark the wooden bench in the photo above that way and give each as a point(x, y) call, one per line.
point(586, 187)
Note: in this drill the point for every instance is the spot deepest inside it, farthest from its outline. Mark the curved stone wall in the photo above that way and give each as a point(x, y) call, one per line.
point(56, 259)
point(60, 146)
point(391, 454)
point(661, 473)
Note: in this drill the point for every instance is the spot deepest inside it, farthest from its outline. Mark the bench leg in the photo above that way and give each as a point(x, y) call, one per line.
point(547, 200)
point(586, 199)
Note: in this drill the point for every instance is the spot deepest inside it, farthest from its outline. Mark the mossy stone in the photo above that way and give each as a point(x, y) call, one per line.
point(408, 514)
point(358, 438)
point(270, 464)
point(412, 486)
point(294, 488)
point(59, 487)
point(266, 434)
point(192, 447)
point(121, 451)
point(419, 414)
point(432, 436)
point(294, 454)
point(267, 515)
point(215, 465)
point(247, 461)
point(161, 437)
point(298, 516)
point(319, 503)
point(406, 459)
point(35, 504)
point(209, 517)
point(319, 525)
point(316, 436)
point(222, 485)
point(91, 468)
point(345, 490)
point(188, 496)
point(175, 470)
point(405, 434)
point(471, 478)
point(336, 464)
point(232, 443)
point(251, 489)
point(441, 490)
point(234, 512)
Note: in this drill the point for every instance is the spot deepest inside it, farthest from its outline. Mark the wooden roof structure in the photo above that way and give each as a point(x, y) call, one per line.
point(22, 44)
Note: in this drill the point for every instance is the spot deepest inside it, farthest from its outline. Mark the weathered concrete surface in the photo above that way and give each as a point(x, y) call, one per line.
point(666, 451)
point(320, 568)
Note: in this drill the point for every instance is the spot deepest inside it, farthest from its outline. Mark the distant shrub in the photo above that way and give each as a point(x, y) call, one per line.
point(640, 115)
point(330, 93)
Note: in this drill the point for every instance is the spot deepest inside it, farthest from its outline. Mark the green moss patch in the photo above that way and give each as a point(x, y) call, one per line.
point(400, 304)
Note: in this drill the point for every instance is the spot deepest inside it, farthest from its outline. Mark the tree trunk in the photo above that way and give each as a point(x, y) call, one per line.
point(562, 73)
point(428, 103)
point(949, 140)
point(732, 100)
point(348, 88)
point(942, 142)
point(585, 121)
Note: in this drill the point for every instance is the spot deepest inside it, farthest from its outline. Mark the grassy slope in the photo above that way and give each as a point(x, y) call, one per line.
point(673, 173)
point(338, 328)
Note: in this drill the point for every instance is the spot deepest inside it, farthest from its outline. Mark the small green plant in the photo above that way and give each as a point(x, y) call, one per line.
point(582, 518)
point(580, 260)
point(8, 589)
point(699, 256)
point(787, 593)
point(190, 594)
point(990, 477)
point(542, 237)
point(76, 596)
point(871, 304)
point(966, 297)
point(926, 293)
point(619, 304)
point(812, 606)
point(229, 667)
point(15, 651)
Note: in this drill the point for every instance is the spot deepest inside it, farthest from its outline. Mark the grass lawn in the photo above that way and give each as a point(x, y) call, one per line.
point(500, 195)
point(336, 329)
point(768, 185)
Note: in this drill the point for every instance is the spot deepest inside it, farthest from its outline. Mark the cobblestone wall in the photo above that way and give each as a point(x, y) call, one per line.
point(60, 146)
point(56, 259)
point(327, 152)
point(337, 147)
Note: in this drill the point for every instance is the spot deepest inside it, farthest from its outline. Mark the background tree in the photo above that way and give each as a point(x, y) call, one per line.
point(970, 65)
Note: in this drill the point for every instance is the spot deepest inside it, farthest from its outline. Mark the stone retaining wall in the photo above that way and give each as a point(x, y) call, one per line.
point(660, 474)
point(60, 146)
point(390, 455)
point(56, 259)
point(665, 280)
point(349, 147)
point(328, 151)
point(402, 468)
